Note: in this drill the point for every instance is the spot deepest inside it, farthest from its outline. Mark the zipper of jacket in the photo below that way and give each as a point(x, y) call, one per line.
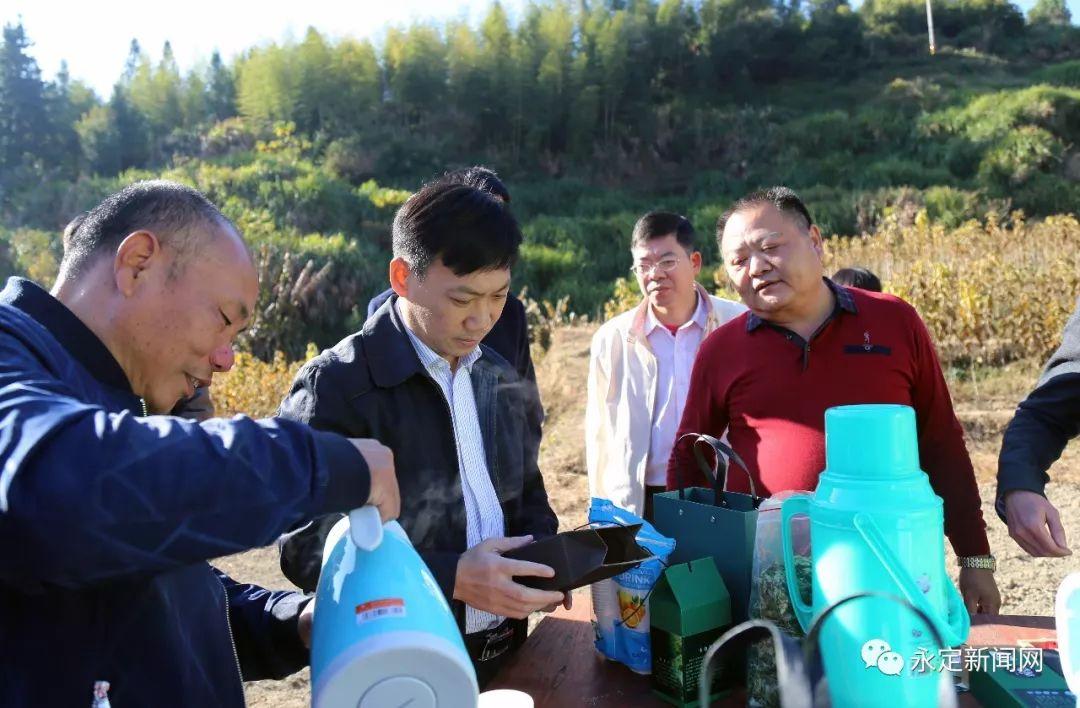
point(232, 643)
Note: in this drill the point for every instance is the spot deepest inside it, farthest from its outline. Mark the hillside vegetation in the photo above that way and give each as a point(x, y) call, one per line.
point(593, 113)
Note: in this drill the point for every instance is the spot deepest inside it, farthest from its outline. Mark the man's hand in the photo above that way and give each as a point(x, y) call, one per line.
point(566, 604)
point(384, 487)
point(1035, 524)
point(304, 622)
point(980, 591)
point(485, 580)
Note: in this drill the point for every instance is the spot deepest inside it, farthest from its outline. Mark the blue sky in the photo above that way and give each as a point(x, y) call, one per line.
point(94, 36)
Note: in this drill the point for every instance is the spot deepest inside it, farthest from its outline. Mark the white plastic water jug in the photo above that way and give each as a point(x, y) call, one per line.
point(384, 634)
point(1067, 617)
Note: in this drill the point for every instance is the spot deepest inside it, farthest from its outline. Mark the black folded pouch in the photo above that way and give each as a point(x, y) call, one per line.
point(581, 557)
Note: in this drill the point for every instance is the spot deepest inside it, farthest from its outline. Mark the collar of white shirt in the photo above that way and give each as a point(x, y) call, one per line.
point(429, 358)
point(700, 317)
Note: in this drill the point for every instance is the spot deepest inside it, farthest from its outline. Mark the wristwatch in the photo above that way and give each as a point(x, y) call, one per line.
point(987, 562)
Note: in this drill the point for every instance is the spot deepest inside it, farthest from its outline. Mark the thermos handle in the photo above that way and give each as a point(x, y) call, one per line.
point(795, 506)
point(366, 528)
point(946, 692)
point(792, 678)
point(956, 631)
point(959, 620)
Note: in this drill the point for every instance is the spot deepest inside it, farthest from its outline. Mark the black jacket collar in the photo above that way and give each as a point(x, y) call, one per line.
point(391, 357)
point(81, 343)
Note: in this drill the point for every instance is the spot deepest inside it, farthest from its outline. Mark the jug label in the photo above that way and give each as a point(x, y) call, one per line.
point(378, 609)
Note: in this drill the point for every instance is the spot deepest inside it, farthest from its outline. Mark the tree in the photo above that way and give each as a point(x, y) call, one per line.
point(221, 89)
point(65, 103)
point(415, 62)
point(1050, 12)
point(99, 141)
point(267, 83)
point(316, 88)
point(24, 123)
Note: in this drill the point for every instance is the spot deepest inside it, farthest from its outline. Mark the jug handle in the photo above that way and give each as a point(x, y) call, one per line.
point(959, 619)
point(956, 630)
point(788, 510)
point(946, 692)
point(365, 528)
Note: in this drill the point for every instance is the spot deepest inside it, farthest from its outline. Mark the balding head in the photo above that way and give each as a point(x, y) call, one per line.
point(180, 218)
point(166, 282)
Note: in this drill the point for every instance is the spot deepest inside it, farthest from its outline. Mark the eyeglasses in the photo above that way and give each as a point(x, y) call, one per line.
point(664, 265)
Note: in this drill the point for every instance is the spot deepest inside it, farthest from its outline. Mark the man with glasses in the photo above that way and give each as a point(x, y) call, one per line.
point(639, 369)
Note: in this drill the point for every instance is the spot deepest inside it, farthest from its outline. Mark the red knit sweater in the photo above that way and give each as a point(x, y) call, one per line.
point(770, 392)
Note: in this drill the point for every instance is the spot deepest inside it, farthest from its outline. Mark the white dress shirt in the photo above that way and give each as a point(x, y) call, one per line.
point(674, 361)
point(483, 514)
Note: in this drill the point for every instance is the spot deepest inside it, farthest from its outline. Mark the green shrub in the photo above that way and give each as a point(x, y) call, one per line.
point(1018, 156)
point(1067, 73)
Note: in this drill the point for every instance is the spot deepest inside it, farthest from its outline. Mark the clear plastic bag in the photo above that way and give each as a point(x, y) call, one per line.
point(769, 597)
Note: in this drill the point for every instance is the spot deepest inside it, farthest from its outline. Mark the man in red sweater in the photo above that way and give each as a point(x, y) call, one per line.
point(806, 345)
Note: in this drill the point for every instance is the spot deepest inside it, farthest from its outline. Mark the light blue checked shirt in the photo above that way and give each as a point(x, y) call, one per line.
point(483, 514)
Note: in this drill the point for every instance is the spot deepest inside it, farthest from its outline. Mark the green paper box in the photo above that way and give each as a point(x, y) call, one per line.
point(1029, 687)
point(688, 610)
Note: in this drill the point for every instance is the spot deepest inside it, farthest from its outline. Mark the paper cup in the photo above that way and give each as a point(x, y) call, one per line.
point(505, 698)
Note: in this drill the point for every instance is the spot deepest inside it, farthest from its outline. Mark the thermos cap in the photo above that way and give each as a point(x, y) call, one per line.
point(873, 441)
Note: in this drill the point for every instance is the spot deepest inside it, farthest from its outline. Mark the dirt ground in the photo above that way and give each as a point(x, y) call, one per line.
point(984, 400)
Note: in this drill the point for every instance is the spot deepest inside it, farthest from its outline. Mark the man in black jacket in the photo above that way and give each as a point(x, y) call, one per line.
point(464, 428)
point(1044, 423)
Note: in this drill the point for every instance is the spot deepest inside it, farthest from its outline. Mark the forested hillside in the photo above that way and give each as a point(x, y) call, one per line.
point(593, 112)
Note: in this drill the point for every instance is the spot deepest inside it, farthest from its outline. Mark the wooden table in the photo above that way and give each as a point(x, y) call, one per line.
point(559, 666)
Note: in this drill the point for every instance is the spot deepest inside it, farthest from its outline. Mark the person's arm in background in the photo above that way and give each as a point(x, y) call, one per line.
point(944, 458)
point(87, 496)
point(942, 451)
point(705, 412)
point(1035, 438)
point(599, 400)
point(265, 629)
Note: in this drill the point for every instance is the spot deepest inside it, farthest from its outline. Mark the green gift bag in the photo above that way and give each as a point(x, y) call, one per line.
point(713, 522)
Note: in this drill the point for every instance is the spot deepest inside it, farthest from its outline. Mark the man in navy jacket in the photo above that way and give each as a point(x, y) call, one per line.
point(108, 514)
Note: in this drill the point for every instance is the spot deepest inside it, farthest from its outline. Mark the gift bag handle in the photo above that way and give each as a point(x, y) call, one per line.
point(718, 475)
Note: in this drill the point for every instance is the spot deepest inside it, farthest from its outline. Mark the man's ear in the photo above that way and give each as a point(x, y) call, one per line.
point(695, 262)
point(400, 271)
point(816, 241)
point(136, 253)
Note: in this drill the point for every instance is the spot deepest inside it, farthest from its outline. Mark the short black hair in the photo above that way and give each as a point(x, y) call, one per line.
point(783, 198)
point(466, 227)
point(480, 177)
point(169, 209)
point(657, 224)
point(857, 278)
